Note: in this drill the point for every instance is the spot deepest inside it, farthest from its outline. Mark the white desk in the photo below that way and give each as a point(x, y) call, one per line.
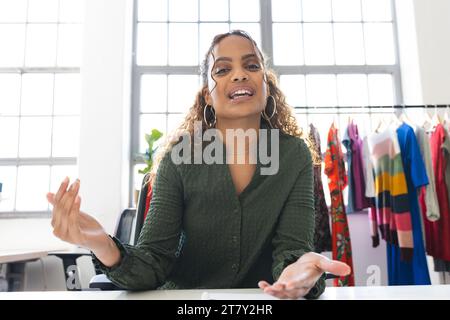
point(17, 258)
point(26, 254)
point(16, 255)
point(441, 292)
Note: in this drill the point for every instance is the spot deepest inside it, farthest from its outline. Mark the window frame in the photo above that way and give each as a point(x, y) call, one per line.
point(37, 161)
point(267, 47)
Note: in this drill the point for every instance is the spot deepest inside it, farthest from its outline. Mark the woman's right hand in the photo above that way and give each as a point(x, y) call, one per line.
point(69, 223)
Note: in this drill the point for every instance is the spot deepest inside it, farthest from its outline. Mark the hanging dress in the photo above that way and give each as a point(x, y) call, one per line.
point(347, 142)
point(391, 193)
point(438, 232)
point(414, 272)
point(337, 181)
point(322, 236)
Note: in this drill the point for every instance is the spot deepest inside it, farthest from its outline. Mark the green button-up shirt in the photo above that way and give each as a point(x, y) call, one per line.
point(200, 234)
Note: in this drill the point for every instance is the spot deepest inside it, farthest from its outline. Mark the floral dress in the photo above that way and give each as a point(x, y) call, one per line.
point(337, 181)
point(322, 235)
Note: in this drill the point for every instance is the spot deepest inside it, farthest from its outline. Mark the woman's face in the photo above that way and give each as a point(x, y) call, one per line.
point(239, 89)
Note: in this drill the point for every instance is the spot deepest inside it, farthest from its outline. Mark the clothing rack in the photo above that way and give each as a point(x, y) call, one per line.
point(364, 109)
point(426, 106)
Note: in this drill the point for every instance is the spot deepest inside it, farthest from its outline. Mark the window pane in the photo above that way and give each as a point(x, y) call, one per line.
point(286, 10)
point(8, 179)
point(67, 94)
point(153, 93)
point(349, 43)
point(66, 136)
point(293, 86)
point(12, 41)
point(9, 136)
point(287, 50)
point(377, 10)
point(321, 90)
point(316, 10)
point(10, 96)
point(381, 90)
point(182, 91)
point(58, 173)
point(352, 90)
point(37, 94)
point(183, 10)
point(149, 37)
point(35, 137)
point(69, 45)
point(13, 11)
point(302, 120)
point(216, 10)
point(379, 40)
point(253, 29)
point(247, 11)
point(148, 123)
point(32, 187)
point(71, 11)
point(174, 121)
point(42, 10)
point(318, 44)
point(152, 10)
point(41, 45)
point(347, 10)
point(207, 33)
point(183, 44)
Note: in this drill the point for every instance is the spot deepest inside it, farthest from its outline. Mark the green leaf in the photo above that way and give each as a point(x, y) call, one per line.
point(148, 156)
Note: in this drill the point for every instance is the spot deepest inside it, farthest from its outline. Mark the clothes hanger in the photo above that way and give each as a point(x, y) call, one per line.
point(427, 123)
point(404, 117)
point(446, 115)
point(436, 120)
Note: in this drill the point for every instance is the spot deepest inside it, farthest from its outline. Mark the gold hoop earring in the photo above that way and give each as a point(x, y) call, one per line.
point(264, 114)
point(204, 116)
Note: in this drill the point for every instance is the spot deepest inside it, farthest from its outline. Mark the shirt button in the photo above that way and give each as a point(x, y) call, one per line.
point(234, 267)
point(235, 239)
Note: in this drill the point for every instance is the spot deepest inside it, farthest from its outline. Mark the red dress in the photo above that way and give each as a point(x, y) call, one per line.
point(337, 181)
point(437, 233)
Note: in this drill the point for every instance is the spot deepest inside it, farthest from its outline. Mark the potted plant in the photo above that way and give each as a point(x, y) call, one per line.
point(151, 138)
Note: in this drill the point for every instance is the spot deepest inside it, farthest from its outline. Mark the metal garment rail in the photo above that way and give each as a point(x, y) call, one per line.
point(345, 110)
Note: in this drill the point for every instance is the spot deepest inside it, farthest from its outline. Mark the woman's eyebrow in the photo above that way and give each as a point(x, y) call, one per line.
point(244, 57)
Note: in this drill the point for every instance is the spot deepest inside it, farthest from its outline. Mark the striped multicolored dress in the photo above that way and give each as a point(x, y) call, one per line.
point(393, 216)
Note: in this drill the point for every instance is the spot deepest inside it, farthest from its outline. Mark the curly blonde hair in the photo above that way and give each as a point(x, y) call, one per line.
point(283, 119)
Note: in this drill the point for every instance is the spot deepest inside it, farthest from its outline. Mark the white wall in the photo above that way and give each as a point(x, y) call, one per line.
point(104, 139)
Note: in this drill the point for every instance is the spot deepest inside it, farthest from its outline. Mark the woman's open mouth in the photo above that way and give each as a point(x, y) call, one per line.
point(241, 95)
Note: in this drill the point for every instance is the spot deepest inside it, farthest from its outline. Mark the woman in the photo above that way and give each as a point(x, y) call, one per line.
point(220, 225)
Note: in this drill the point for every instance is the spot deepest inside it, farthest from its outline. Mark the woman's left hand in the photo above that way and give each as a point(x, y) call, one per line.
point(299, 278)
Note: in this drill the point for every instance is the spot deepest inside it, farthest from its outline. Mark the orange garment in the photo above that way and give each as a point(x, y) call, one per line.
point(337, 181)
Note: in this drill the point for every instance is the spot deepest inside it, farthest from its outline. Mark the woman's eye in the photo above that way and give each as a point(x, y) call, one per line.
point(254, 66)
point(219, 71)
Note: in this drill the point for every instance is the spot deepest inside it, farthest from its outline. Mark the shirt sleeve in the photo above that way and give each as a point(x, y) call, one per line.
point(418, 171)
point(294, 235)
point(431, 201)
point(146, 265)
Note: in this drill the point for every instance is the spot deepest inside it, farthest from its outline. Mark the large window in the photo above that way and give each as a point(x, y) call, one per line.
point(39, 100)
point(327, 53)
